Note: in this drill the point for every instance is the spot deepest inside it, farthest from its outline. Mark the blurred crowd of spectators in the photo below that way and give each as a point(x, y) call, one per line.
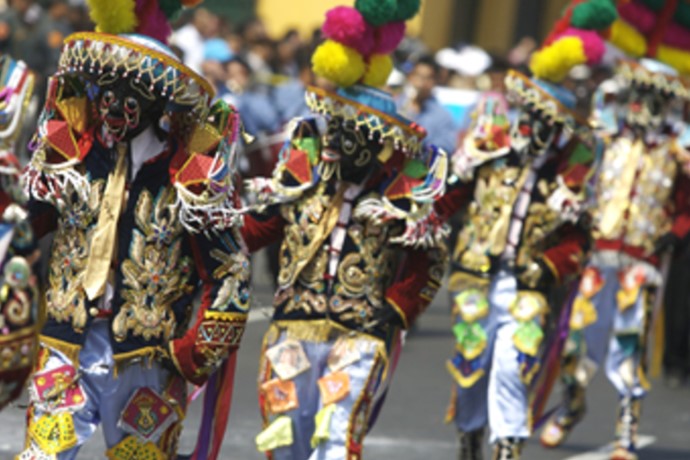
point(265, 77)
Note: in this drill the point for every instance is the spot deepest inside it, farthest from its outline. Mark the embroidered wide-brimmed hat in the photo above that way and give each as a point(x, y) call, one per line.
point(551, 99)
point(129, 42)
point(356, 58)
point(576, 39)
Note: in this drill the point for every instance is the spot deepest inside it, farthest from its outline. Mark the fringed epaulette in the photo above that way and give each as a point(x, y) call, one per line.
point(409, 197)
point(63, 140)
point(298, 168)
point(203, 174)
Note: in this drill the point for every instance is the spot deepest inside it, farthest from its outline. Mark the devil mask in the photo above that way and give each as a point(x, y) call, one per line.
point(126, 107)
point(534, 131)
point(352, 149)
point(647, 107)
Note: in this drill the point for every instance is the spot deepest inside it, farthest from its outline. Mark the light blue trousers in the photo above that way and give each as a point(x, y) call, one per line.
point(353, 414)
point(603, 346)
point(106, 395)
point(500, 398)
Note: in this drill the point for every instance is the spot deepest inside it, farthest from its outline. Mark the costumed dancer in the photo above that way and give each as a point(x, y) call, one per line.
point(18, 250)
point(352, 201)
point(641, 209)
point(133, 170)
point(523, 234)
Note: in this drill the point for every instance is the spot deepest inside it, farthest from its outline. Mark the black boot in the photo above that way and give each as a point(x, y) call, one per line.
point(508, 449)
point(471, 445)
point(570, 413)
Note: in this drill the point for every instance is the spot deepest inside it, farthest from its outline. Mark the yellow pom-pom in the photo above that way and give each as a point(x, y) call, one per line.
point(555, 61)
point(113, 16)
point(338, 63)
point(676, 58)
point(628, 39)
point(380, 68)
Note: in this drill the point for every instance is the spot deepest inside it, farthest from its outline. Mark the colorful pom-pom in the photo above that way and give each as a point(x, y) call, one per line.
point(555, 61)
point(152, 21)
point(338, 63)
point(628, 39)
point(113, 16)
point(638, 15)
point(191, 3)
point(380, 68)
point(407, 9)
point(676, 58)
point(594, 14)
point(592, 44)
point(378, 12)
point(346, 25)
point(388, 37)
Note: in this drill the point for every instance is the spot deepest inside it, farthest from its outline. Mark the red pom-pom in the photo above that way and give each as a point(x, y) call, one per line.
point(388, 37)
point(347, 26)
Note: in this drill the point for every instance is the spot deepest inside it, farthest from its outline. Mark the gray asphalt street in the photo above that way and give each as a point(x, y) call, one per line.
point(411, 425)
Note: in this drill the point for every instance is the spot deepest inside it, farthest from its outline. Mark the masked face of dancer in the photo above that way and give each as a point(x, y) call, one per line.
point(647, 107)
point(127, 107)
point(534, 130)
point(353, 150)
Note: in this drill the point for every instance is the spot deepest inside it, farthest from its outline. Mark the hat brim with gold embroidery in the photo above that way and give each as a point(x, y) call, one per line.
point(553, 100)
point(140, 58)
point(129, 42)
point(371, 108)
point(654, 74)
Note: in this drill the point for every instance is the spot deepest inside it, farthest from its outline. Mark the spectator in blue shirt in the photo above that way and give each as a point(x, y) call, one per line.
point(419, 104)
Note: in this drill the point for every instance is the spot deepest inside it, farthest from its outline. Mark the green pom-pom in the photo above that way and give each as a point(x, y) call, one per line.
point(170, 8)
point(682, 15)
point(378, 12)
point(407, 9)
point(594, 15)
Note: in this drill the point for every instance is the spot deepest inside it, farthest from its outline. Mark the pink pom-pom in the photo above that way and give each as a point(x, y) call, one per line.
point(592, 43)
point(677, 36)
point(638, 15)
point(152, 21)
point(347, 26)
point(388, 37)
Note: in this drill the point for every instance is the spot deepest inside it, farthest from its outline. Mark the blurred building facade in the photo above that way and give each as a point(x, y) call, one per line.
point(495, 25)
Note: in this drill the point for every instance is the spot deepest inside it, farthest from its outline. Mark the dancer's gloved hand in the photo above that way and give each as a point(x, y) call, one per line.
point(385, 316)
point(666, 243)
point(536, 275)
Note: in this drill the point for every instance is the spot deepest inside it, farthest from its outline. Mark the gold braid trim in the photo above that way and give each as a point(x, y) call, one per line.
point(399, 311)
point(464, 382)
point(148, 354)
point(23, 333)
point(552, 267)
point(225, 316)
point(70, 350)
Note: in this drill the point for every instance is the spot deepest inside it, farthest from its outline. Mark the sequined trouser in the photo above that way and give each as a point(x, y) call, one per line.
point(313, 435)
point(491, 389)
point(105, 398)
point(615, 339)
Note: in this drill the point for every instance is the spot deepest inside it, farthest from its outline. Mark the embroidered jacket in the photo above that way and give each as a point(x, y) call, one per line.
point(18, 287)
point(344, 256)
point(523, 210)
point(642, 194)
point(162, 261)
